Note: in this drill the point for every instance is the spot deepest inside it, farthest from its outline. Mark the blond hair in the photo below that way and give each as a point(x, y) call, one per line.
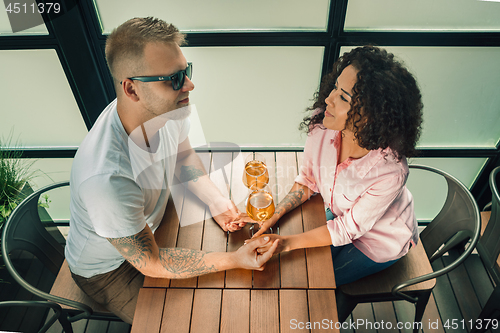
point(125, 45)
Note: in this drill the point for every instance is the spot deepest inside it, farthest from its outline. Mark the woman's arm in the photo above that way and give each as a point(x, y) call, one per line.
point(297, 196)
point(313, 238)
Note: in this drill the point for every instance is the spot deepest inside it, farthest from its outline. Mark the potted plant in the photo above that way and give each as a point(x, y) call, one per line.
point(15, 175)
point(15, 172)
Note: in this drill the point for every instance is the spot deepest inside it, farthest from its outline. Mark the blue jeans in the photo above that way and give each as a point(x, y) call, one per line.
point(350, 264)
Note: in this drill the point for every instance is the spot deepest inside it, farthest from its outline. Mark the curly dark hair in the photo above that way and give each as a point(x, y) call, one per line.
point(386, 106)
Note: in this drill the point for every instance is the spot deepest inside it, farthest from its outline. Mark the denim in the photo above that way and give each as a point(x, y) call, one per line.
point(350, 264)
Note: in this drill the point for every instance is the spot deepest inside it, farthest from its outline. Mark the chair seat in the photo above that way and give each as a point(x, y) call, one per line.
point(412, 265)
point(485, 217)
point(65, 287)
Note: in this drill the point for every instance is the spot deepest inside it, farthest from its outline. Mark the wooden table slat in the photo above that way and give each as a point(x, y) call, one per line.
point(300, 160)
point(239, 192)
point(165, 237)
point(293, 310)
point(269, 277)
point(190, 237)
point(293, 264)
point(149, 309)
point(214, 238)
point(319, 260)
point(191, 225)
point(322, 310)
point(177, 311)
point(235, 312)
point(168, 231)
point(206, 311)
point(286, 172)
point(264, 314)
point(320, 268)
point(238, 278)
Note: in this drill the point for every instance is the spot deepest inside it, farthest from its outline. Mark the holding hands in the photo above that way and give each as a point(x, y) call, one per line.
point(268, 247)
point(227, 215)
point(251, 256)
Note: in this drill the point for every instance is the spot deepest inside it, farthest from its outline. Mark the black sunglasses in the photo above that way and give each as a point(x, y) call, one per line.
point(176, 78)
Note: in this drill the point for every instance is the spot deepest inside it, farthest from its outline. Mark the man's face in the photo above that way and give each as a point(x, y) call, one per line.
point(157, 98)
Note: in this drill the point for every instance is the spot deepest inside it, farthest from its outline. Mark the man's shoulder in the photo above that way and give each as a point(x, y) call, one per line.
point(103, 150)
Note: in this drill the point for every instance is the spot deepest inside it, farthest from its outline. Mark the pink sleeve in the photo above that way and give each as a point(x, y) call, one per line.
point(368, 209)
point(306, 178)
point(306, 175)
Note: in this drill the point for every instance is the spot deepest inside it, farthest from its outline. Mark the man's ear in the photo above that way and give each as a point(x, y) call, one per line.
point(130, 89)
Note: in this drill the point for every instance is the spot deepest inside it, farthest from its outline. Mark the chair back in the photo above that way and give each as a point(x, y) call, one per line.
point(25, 231)
point(457, 222)
point(489, 243)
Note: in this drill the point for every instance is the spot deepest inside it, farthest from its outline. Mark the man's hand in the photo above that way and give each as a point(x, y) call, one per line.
point(227, 215)
point(266, 247)
point(248, 257)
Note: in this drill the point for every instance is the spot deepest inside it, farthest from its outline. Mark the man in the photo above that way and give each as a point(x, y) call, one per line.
point(117, 200)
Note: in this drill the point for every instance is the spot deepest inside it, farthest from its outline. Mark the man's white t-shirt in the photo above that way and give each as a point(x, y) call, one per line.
point(116, 188)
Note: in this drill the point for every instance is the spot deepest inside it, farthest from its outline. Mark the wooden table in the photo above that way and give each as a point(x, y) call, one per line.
point(295, 290)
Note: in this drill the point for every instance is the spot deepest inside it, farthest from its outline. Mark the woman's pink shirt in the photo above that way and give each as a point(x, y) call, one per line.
point(373, 207)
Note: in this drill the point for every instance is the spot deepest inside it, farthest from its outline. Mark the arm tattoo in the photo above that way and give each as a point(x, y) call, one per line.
point(134, 248)
point(190, 173)
point(184, 263)
point(291, 201)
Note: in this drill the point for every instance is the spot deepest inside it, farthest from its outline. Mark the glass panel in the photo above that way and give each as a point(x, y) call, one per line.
point(216, 15)
point(27, 22)
point(428, 202)
point(38, 106)
point(459, 88)
point(430, 190)
point(422, 15)
point(49, 171)
point(253, 96)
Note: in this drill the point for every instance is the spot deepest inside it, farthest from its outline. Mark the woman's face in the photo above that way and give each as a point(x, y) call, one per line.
point(338, 103)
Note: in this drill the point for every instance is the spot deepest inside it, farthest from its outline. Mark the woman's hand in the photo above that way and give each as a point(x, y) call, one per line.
point(281, 247)
point(264, 226)
point(297, 195)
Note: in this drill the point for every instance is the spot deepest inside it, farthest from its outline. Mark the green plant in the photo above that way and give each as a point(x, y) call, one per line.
point(14, 173)
point(44, 201)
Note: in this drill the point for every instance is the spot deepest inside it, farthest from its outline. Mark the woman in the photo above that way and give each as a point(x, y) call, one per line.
point(367, 118)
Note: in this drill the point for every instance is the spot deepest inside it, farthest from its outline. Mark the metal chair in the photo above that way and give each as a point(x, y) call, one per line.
point(56, 308)
point(24, 230)
point(412, 278)
point(488, 248)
